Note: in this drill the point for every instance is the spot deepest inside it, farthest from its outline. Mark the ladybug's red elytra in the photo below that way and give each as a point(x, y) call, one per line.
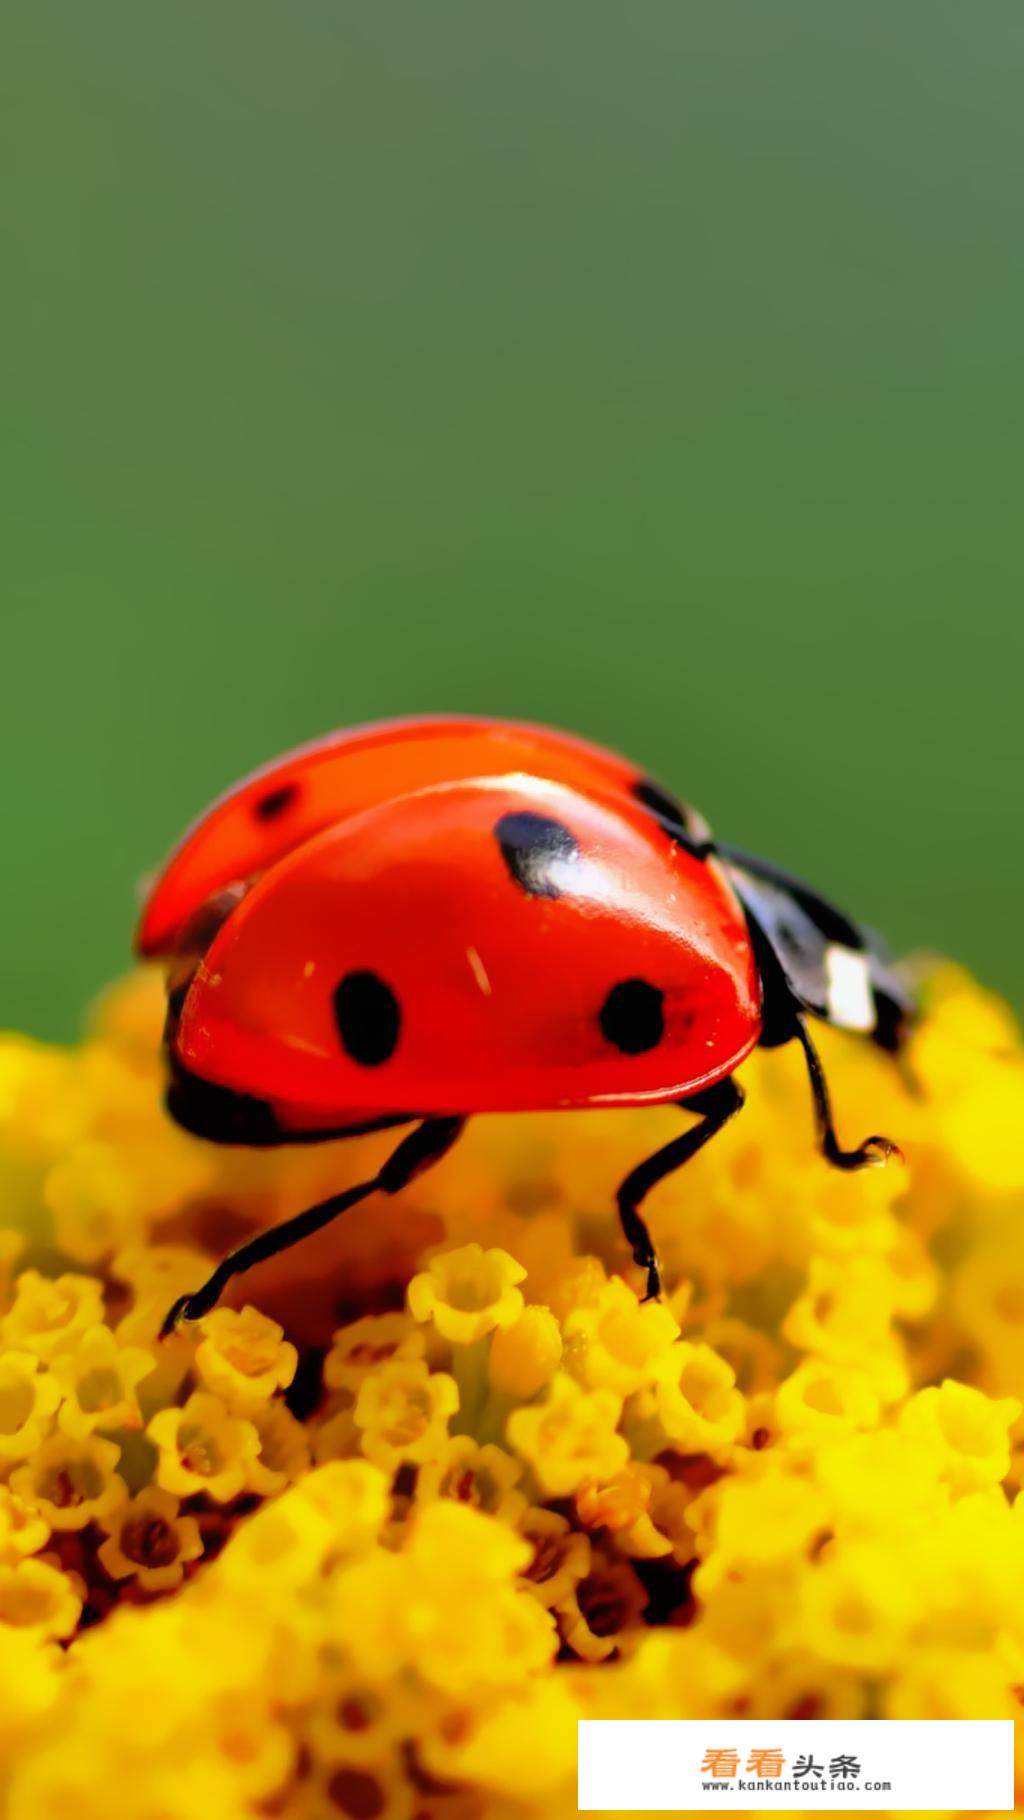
point(420, 920)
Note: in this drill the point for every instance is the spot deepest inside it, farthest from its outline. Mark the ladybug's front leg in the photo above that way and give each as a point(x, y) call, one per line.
point(718, 1105)
point(418, 1151)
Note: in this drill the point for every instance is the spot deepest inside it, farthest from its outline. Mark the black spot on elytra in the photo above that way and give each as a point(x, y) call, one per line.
point(633, 1016)
point(666, 808)
point(269, 807)
point(368, 1018)
point(532, 846)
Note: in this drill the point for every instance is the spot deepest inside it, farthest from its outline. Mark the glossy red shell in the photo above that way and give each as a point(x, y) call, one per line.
point(498, 989)
point(272, 812)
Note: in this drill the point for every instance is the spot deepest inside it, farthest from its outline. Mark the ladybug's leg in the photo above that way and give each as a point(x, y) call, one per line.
point(426, 1145)
point(718, 1104)
point(873, 1150)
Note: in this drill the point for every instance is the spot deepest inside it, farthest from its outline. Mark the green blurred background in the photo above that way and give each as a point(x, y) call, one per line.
point(652, 369)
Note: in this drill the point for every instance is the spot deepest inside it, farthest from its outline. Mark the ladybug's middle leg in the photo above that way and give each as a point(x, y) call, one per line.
point(872, 1150)
point(718, 1105)
point(417, 1151)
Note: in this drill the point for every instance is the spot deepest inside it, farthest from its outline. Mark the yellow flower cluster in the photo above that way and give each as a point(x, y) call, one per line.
point(371, 1539)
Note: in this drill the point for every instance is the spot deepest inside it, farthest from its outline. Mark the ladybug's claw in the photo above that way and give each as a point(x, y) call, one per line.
point(872, 1154)
point(177, 1313)
point(653, 1291)
point(190, 1308)
point(716, 1106)
point(879, 1150)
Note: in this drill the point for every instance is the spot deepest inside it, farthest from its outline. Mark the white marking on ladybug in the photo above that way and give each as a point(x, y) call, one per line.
point(848, 983)
point(479, 971)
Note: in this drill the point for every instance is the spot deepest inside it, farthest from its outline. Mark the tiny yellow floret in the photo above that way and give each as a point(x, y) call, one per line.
point(467, 1293)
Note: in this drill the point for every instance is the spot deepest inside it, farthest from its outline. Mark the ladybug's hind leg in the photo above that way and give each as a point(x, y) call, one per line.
point(417, 1151)
point(873, 1150)
point(718, 1105)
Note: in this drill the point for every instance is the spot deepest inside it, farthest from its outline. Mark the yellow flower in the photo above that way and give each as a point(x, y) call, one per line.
point(350, 1497)
point(884, 1480)
point(356, 1789)
point(561, 1556)
point(35, 1596)
point(12, 1245)
point(526, 1743)
point(913, 1274)
point(47, 1787)
point(623, 1506)
point(754, 1356)
point(355, 1722)
point(467, 1293)
point(448, 1605)
point(99, 1381)
point(364, 1344)
point(402, 1411)
point(38, 1104)
point(664, 1528)
point(335, 1435)
point(256, 1748)
point(391, 1632)
point(698, 1404)
point(618, 1341)
point(943, 1683)
point(71, 1481)
point(978, 1118)
point(770, 1515)
point(49, 1311)
point(203, 1447)
point(23, 1529)
point(28, 1398)
point(988, 1296)
point(32, 1681)
point(243, 1357)
point(336, 1512)
point(818, 1399)
point(525, 1355)
point(605, 1608)
point(845, 1316)
point(580, 1285)
point(967, 1430)
point(284, 1453)
point(857, 1606)
point(157, 1276)
point(148, 1539)
point(93, 1199)
point(570, 1437)
point(484, 1477)
point(160, 1272)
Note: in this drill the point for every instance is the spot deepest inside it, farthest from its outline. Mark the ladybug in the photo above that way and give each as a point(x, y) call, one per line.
point(415, 921)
